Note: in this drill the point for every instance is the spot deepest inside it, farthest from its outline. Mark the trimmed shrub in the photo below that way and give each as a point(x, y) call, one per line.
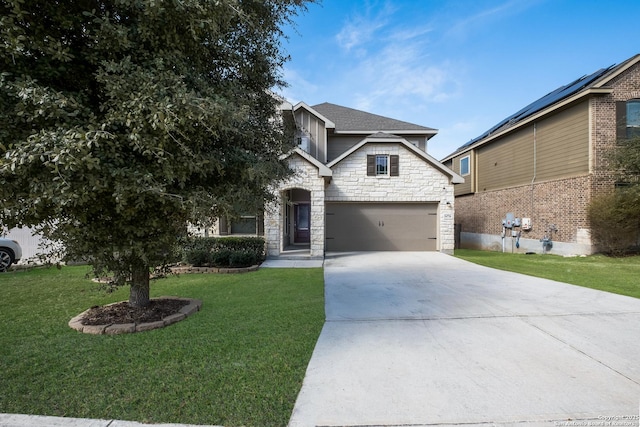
point(252, 244)
point(614, 222)
point(198, 257)
point(224, 251)
point(243, 259)
point(198, 251)
point(221, 258)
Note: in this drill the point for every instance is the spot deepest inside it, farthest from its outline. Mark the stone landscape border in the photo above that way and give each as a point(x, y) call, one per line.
point(193, 306)
point(187, 269)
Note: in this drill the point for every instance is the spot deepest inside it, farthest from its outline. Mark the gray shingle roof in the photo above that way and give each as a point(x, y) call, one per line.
point(384, 135)
point(349, 119)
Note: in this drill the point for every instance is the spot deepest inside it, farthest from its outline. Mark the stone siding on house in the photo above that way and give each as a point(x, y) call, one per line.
point(418, 181)
point(305, 177)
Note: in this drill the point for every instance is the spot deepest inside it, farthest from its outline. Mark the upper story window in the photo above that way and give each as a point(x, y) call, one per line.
point(628, 119)
point(633, 118)
point(383, 165)
point(304, 142)
point(464, 165)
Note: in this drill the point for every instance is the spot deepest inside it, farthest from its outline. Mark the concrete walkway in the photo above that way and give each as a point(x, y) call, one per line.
point(416, 339)
point(292, 263)
point(17, 420)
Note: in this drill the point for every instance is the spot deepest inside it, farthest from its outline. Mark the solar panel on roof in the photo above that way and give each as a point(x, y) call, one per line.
point(542, 103)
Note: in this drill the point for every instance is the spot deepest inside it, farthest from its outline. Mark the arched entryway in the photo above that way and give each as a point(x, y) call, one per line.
point(296, 233)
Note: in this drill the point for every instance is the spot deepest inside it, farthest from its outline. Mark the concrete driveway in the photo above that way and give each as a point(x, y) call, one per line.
point(415, 339)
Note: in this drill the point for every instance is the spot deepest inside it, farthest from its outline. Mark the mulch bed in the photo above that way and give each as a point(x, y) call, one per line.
point(122, 313)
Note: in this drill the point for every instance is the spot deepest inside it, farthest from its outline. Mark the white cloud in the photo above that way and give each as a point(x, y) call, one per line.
point(353, 35)
point(405, 34)
point(482, 19)
point(386, 62)
point(361, 28)
point(390, 60)
point(299, 88)
point(403, 74)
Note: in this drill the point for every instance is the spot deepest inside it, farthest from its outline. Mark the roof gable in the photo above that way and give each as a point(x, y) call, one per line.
point(328, 123)
point(616, 71)
point(356, 121)
point(323, 170)
point(385, 137)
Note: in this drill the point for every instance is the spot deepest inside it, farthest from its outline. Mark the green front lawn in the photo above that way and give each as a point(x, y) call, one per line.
point(617, 275)
point(239, 361)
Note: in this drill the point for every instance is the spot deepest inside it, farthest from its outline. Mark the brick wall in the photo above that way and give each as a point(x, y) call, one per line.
point(560, 202)
point(603, 126)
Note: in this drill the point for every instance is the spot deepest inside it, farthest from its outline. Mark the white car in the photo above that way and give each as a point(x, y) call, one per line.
point(10, 252)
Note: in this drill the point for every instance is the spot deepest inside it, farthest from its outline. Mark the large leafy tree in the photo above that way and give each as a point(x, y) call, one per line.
point(123, 120)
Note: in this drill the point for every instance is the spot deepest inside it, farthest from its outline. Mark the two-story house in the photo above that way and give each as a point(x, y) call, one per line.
point(362, 182)
point(544, 163)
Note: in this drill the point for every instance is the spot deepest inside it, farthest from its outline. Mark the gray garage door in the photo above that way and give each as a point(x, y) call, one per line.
point(381, 227)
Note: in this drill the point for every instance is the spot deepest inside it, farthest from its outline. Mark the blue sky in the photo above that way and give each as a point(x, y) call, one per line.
point(457, 66)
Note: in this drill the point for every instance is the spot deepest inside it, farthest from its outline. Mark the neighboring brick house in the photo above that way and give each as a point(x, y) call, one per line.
point(545, 163)
point(362, 182)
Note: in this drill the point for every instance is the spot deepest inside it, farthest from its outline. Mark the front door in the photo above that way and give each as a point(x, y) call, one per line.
point(302, 223)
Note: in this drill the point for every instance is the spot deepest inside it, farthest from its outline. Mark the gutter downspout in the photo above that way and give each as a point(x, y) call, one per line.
point(535, 166)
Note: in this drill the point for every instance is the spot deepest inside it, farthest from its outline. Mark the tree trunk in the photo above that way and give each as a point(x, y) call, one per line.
point(139, 292)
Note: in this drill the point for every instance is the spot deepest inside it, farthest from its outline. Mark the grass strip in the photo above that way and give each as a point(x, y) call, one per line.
point(616, 275)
